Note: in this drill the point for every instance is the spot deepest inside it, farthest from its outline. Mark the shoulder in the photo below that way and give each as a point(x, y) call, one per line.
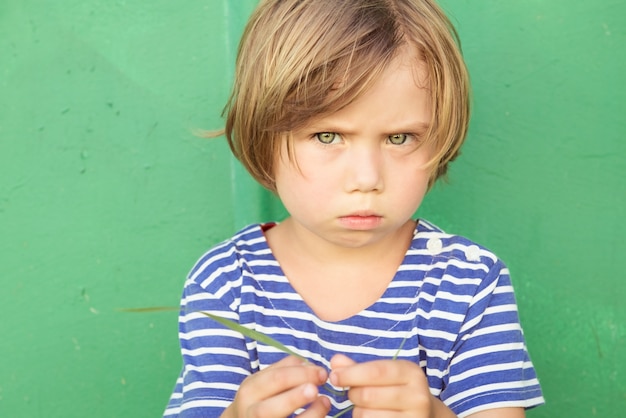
point(440, 244)
point(226, 261)
point(457, 263)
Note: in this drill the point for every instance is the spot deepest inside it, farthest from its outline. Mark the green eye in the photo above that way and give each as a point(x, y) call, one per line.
point(327, 137)
point(398, 139)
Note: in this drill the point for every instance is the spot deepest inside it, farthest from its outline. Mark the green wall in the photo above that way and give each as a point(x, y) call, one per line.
point(107, 197)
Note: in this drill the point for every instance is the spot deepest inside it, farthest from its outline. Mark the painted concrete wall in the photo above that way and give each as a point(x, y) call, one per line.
point(107, 198)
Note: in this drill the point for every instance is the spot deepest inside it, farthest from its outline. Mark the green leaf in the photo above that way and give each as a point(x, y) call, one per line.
point(395, 356)
point(255, 335)
point(348, 409)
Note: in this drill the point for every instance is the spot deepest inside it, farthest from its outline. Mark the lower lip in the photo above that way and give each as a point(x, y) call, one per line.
point(360, 222)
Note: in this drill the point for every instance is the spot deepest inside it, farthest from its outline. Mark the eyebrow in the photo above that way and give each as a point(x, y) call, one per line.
point(332, 126)
point(415, 126)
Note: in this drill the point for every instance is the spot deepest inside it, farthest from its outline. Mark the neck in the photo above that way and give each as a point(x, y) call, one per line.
point(302, 243)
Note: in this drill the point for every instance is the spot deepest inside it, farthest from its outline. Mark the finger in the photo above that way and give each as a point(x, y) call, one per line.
point(358, 412)
point(285, 403)
point(280, 377)
point(294, 371)
point(319, 408)
point(339, 361)
point(391, 398)
point(378, 373)
point(287, 361)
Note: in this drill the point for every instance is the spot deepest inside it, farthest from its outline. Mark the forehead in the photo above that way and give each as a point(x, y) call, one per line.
point(395, 103)
point(402, 80)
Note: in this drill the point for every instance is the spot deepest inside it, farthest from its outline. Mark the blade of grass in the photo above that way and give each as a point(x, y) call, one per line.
point(395, 356)
point(255, 335)
point(348, 409)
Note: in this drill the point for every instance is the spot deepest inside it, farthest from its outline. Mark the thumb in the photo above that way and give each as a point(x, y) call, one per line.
point(339, 361)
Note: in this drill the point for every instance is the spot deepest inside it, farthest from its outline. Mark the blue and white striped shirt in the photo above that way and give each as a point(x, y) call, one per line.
point(451, 302)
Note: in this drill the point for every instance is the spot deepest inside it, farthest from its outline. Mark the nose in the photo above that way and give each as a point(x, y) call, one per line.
point(364, 168)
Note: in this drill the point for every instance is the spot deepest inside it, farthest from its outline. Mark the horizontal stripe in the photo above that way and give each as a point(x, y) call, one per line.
point(503, 404)
point(450, 308)
point(490, 389)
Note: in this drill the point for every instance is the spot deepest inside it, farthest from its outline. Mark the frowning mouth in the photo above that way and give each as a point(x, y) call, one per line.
point(363, 220)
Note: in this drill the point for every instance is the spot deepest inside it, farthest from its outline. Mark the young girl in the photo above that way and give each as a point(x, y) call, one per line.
point(350, 111)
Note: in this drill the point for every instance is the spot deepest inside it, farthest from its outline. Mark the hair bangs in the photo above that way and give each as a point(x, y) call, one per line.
point(339, 64)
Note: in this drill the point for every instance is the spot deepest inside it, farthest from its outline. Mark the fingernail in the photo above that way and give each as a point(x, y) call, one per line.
point(333, 378)
point(309, 391)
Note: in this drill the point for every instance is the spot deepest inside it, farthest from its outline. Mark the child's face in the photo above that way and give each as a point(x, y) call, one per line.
point(357, 176)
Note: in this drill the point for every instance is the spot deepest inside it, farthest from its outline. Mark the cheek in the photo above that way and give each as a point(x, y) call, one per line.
point(303, 171)
point(303, 194)
point(413, 186)
point(293, 184)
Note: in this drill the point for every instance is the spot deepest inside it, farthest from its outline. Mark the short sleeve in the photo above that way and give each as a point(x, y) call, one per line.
point(490, 366)
point(215, 359)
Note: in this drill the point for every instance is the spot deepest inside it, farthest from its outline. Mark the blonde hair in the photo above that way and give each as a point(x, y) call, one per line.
point(293, 53)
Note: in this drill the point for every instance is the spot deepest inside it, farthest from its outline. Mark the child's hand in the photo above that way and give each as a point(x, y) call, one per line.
point(384, 388)
point(279, 390)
